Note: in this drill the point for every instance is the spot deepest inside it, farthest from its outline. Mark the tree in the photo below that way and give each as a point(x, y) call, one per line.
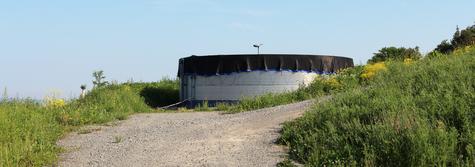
point(397, 54)
point(465, 37)
point(444, 47)
point(99, 79)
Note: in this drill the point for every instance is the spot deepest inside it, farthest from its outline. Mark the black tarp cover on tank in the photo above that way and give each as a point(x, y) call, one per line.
point(227, 64)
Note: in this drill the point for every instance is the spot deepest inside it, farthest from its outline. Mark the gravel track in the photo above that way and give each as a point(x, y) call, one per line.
point(183, 139)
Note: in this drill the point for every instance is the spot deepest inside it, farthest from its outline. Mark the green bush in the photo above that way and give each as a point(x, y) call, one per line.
point(102, 105)
point(421, 114)
point(395, 54)
point(158, 94)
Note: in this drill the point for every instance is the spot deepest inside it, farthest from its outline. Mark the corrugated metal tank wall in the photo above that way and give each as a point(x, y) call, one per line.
point(235, 86)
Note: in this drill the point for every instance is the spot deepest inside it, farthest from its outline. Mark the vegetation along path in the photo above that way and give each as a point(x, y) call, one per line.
point(184, 139)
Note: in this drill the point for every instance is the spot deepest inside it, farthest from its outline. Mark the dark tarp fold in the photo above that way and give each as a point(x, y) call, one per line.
point(226, 64)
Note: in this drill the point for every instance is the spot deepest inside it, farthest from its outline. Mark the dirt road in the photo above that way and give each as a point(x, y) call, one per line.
point(183, 139)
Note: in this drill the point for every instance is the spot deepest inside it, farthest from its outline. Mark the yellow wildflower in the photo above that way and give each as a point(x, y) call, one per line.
point(408, 61)
point(370, 70)
point(55, 103)
point(463, 50)
point(333, 82)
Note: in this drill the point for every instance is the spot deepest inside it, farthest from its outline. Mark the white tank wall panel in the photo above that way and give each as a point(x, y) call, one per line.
point(238, 85)
point(237, 92)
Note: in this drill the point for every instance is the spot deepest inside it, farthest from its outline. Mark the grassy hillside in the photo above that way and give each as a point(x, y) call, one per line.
point(413, 114)
point(30, 129)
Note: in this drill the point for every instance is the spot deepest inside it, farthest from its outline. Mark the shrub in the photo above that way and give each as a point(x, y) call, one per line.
point(418, 115)
point(103, 104)
point(408, 61)
point(371, 70)
point(158, 94)
point(395, 54)
point(349, 78)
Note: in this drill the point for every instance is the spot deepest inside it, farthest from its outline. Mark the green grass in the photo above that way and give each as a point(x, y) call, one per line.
point(203, 107)
point(118, 139)
point(28, 133)
point(422, 114)
point(29, 130)
point(102, 105)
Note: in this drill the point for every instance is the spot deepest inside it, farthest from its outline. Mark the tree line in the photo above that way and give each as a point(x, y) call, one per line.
point(460, 39)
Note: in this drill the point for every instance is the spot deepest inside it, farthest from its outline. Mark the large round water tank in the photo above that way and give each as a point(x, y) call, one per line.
point(229, 78)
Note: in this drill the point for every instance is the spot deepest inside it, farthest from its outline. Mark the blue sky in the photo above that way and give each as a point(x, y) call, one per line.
point(54, 45)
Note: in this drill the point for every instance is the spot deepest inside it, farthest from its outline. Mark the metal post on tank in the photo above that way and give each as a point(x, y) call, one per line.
point(258, 46)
